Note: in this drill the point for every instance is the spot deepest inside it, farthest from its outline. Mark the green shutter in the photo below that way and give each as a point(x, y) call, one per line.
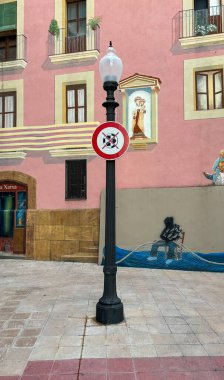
point(8, 16)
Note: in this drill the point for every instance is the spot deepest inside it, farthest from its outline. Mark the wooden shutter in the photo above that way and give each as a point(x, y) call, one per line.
point(202, 102)
point(8, 16)
point(218, 89)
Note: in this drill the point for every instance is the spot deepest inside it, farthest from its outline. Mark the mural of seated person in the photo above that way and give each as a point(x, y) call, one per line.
point(171, 233)
point(217, 176)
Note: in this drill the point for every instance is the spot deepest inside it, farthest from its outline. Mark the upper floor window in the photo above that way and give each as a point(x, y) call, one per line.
point(76, 26)
point(7, 110)
point(8, 26)
point(76, 103)
point(75, 179)
point(209, 89)
point(207, 18)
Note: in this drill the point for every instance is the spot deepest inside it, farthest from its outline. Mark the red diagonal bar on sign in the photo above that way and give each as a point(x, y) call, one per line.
point(109, 140)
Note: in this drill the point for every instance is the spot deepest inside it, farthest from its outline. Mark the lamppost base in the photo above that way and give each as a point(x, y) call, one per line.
point(109, 314)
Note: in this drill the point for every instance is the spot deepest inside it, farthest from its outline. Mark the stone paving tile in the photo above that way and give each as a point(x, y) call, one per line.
point(167, 313)
point(72, 352)
point(43, 353)
point(12, 367)
point(20, 354)
point(168, 350)
point(193, 349)
point(143, 350)
point(25, 342)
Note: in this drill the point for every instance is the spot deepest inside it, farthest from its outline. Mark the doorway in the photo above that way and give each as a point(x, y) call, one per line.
point(13, 205)
point(207, 14)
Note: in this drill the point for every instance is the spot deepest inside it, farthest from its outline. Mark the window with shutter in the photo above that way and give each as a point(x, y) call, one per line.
point(202, 91)
point(76, 103)
point(8, 18)
point(7, 110)
point(8, 25)
point(209, 89)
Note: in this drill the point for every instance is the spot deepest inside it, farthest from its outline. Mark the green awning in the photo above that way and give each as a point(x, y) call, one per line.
point(8, 16)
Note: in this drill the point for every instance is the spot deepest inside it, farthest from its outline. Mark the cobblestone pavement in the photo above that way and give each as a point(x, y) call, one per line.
point(173, 328)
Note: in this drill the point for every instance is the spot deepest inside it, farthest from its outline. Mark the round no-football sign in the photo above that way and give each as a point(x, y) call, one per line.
point(110, 140)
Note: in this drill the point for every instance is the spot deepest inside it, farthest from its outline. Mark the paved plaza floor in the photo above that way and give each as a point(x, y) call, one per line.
point(173, 328)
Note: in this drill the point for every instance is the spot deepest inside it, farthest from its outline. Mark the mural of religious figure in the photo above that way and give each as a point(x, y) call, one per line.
point(139, 114)
point(138, 118)
point(217, 176)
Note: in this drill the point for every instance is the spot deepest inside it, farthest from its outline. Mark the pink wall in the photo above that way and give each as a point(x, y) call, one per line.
point(143, 37)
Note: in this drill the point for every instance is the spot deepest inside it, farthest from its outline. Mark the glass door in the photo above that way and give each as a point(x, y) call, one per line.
point(13, 204)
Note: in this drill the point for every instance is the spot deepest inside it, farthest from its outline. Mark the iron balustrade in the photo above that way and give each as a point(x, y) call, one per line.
point(201, 22)
point(65, 44)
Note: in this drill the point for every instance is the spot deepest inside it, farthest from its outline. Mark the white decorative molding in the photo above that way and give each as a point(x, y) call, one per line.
point(47, 138)
point(197, 41)
point(72, 152)
point(12, 155)
point(18, 64)
point(81, 57)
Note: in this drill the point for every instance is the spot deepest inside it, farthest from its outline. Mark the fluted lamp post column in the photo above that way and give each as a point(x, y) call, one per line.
point(109, 309)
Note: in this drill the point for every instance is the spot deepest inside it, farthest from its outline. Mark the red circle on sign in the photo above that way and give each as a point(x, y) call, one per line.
point(100, 140)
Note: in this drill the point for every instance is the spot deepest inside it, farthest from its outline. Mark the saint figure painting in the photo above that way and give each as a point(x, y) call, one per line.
point(139, 114)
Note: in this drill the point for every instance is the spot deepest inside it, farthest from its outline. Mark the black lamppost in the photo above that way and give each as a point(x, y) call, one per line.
point(109, 309)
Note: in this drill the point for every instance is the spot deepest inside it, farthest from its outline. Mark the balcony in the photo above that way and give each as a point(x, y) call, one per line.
point(13, 52)
point(79, 48)
point(57, 140)
point(201, 27)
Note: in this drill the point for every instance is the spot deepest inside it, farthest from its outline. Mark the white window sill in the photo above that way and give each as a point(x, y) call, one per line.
point(81, 57)
point(207, 114)
point(18, 64)
point(72, 152)
point(197, 41)
point(12, 155)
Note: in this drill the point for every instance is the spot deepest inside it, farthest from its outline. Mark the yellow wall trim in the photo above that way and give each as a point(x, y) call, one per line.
point(60, 11)
point(15, 85)
point(61, 81)
point(190, 67)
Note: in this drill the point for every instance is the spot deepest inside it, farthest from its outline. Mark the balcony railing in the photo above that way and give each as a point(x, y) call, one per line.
point(193, 23)
point(13, 49)
point(64, 44)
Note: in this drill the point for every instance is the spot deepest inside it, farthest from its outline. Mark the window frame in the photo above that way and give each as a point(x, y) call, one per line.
point(203, 73)
point(5, 38)
point(69, 167)
point(218, 92)
point(3, 95)
point(197, 73)
point(76, 87)
point(77, 19)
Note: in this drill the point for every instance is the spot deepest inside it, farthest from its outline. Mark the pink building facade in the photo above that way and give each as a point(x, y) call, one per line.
point(51, 102)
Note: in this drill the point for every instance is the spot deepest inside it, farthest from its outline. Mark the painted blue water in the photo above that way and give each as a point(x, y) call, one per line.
point(211, 262)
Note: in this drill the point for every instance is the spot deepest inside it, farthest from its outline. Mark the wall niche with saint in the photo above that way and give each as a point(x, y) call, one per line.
point(140, 109)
